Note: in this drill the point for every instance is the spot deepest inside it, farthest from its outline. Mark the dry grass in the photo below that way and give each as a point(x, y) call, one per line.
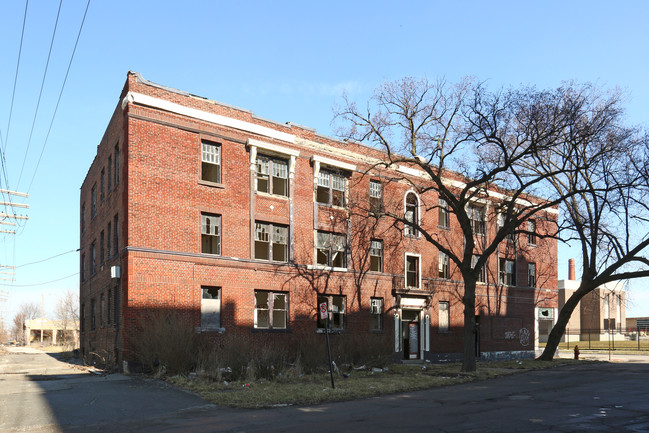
point(309, 389)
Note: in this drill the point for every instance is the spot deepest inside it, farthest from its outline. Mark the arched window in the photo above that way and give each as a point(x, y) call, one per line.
point(411, 213)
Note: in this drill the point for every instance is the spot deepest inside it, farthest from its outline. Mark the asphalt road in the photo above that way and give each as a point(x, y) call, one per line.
point(40, 394)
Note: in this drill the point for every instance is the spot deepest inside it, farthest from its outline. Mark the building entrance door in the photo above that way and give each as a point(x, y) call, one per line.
point(410, 330)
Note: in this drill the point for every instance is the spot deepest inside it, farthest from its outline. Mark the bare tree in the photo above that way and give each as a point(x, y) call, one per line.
point(605, 180)
point(28, 311)
point(17, 331)
point(67, 312)
point(31, 310)
point(475, 147)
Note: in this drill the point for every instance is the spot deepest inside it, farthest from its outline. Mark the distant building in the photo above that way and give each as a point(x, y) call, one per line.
point(600, 314)
point(51, 332)
point(244, 227)
point(638, 324)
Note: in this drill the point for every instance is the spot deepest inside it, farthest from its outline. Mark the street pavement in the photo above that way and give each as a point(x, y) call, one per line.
point(40, 394)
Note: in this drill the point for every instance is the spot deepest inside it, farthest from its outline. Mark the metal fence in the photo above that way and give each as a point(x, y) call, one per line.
point(632, 339)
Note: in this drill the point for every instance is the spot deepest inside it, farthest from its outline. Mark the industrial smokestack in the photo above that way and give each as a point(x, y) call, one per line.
point(571, 269)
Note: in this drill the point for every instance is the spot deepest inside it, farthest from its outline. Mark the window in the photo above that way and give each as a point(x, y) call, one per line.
point(210, 234)
point(101, 248)
point(271, 242)
point(108, 244)
point(83, 217)
point(477, 216)
point(501, 222)
point(336, 308)
point(531, 274)
point(442, 214)
point(376, 314)
point(83, 267)
point(109, 177)
point(444, 316)
point(331, 188)
point(270, 310)
point(412, 272)
point(376, 255)
point(210, 307)
point(210, 162)
point(115, 235)
point(93, 201)
point(116, 171)
point(93, 257)
point(482, 276)
point(102, 185)
point(272, 175)
point(531, 235)
point(108, 304)
point(102, 306)
point(411, 214)
point(507, 272)
point(331, 249)
point(376, 196)
point(82, 321)
point(93, 313)
point(443, 271)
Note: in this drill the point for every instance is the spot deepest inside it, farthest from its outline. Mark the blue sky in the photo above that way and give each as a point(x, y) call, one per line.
point(284, 60)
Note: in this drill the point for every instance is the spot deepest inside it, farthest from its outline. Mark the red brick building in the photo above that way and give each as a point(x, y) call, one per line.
point(243, 226)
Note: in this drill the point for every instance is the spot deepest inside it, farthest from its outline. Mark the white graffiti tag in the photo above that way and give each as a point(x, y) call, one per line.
point(524, 336)
point(510, 335)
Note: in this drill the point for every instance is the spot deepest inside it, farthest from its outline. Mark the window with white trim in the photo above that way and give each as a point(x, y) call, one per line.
point(272, 175)
point(336, 309)
point(331, 188)
point(442, 214)
point(271, 310)
point(210, 161)
point(443, 265)
point(376, 196)
point(412, 272)
point(507, 272)
point(210, 307)
point(210, 233)
point(501, 222)
point(531, 274)
point(331, 249)
point(411, 214)
point(531, 229)
point(477, 216)
point(482, 276)
point(444, 317)
point(376, 255)
point(376, 314)
point(271, 242)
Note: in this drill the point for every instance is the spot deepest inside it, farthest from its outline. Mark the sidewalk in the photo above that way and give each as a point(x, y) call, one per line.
point(604, 356)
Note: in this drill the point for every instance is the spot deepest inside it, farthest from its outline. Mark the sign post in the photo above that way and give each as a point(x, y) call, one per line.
point(324, 314)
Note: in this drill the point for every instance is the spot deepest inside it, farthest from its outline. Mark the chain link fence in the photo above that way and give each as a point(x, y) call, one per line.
point(631, 339)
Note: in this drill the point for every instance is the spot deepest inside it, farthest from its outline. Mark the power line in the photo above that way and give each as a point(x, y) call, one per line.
point(40, 94)
point(3, 149)
point(40, 284)
point(20, 50)
point(49, 258)
point(60, 94)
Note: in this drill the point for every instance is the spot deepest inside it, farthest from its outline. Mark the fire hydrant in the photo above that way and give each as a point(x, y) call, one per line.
point(576, 352)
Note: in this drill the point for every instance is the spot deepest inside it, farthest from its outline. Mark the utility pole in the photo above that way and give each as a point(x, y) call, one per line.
point(4, 296)
point(12, 205)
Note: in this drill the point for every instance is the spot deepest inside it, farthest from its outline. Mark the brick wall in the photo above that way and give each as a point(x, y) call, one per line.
point(159, 202)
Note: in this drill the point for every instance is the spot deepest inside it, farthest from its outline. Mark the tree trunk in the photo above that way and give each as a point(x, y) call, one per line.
point(468, 359)
point(559, 328)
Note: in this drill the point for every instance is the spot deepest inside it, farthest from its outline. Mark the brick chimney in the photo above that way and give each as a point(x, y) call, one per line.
point(571, 269)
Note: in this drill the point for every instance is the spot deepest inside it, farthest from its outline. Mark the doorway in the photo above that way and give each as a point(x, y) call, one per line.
point(411, 334)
